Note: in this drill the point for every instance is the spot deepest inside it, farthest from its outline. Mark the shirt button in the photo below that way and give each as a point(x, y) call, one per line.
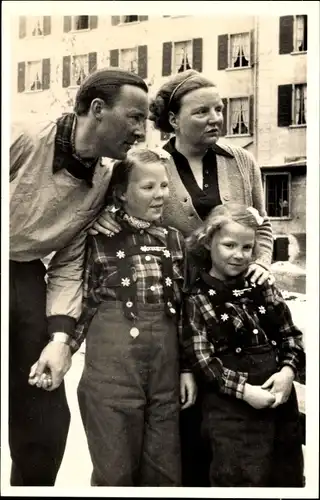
point(255, 331)
point(169, 304)
point(172, 310)
point(273, 342)
point(129, 304)
point(206, 185)
point(152, 288)
point(238, 349)
point(148, 257)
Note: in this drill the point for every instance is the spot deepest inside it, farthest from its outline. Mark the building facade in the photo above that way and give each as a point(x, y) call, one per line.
point(258, 63)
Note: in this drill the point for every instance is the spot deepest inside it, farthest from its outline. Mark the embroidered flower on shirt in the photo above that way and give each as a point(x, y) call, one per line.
point(262, 310)
point(224, 317)
point(166, 253)
point(144, 248)
point(168, 281)
point(121, 254)
point(212, 292)
point(165, 231)
point(125, 282)
point(253, 285)
point(238, 293)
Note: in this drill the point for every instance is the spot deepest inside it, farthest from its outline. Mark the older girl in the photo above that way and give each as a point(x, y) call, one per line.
point(246, 351)
point(129, 390)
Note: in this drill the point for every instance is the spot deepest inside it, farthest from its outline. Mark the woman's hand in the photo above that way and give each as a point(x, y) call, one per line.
point(258, 274)
point(106, 224)
point(280, 385)
point(257, 397)
point(188, 390)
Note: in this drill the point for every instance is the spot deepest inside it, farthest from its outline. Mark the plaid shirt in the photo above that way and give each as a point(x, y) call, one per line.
point(217, 319)
point(102, 277)
point(81, 168)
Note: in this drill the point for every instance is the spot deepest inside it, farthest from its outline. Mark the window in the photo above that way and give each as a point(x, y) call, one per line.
point(80, 69)
point(129, 19)
point(239, 56)
point(33, 76)
point(300, 33)
point(129, 59)
point(299, 104)
point(293, 34)
point(34, 26)
point(238, 116)
point(235, 51)
point(292, 105)
point(115, 20)
point(80, 23)
point(277, 192)
point(182, 56)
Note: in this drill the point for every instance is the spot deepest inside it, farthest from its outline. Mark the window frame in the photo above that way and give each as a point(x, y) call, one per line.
point(135, 48)
point(28, 27)
point(229, 134)
point(293, 106)
point(273, 174)
point(28, 90)
point(75, 30)
point(294, 40)
point(173, 65)
point(232, 68)
point(72, 84)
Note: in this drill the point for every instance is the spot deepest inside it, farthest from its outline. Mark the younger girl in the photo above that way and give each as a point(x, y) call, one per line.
point(245, 350)
point(129, 390)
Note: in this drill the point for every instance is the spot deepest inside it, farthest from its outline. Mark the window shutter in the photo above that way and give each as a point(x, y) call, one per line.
point(251, 115)
point(224, 130)
point(66, 24)
point(92, 62)
point(143, 61)
point(197, 54)
point(284, 105)
point(143, 18)
point(21, 76)
point(66, 71)
point(93, 22)
point(114, 58)
point(45, 74)
point(166, 58)
point(46, 25)
point(286, 35)
point(115, 20)
point(222, 52)
point(305, 33)
point(252, 54)
point(22, 26)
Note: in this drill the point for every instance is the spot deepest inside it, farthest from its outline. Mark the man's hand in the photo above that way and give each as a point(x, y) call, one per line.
point(258, 274)
point(280, 385)
point(257, 397)
point(188, 390)
point(53, 363)
point(105, 224)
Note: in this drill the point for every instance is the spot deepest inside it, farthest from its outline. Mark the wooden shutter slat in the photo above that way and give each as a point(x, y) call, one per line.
point(92, 62)
point(224, 130)
point(197, 54)
point(166, 58)
point(143, 61)
point(47, 25)
point(93, 22)
point(284, 105)
point(22, 26)
point(285, 34)
point(251, 115)
point(66, 24)
point(45, 74)
point(115, 20)
point(222, 52)
point(66, 71)
point(143, 18)
point(114, 58)
point(21, 76)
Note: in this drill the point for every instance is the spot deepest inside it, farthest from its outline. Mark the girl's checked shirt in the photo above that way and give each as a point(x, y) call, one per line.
point(220, 318)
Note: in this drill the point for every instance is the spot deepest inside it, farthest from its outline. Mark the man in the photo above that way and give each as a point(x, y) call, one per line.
point(57, 188)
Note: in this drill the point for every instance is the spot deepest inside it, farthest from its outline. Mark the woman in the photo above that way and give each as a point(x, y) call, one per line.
point(202, 174)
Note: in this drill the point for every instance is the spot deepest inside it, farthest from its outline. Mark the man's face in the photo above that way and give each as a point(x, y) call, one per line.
point(123, 123)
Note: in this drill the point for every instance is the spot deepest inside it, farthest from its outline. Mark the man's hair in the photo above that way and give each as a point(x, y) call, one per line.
point(105, 84)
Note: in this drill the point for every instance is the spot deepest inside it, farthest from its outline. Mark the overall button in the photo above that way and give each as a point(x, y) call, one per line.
point(148, 257)
point(134, 332)
point(152, 288)
point(255, 331)
point(244, 307)
point(238, 349)
point(273, 342)
point(169, 304)
point(129, 304)
point(206, 185)
point(172, 310)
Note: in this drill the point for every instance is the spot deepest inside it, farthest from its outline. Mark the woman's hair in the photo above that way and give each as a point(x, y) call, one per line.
point(105, 84)
point(122, 169)
point(198, 241)
point(168, 97)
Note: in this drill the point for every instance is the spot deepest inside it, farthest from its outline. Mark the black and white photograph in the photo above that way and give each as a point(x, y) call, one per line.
point(160, 239)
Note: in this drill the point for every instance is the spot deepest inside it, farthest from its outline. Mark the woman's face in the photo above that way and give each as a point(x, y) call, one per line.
point(200, 119)
point(147, 191)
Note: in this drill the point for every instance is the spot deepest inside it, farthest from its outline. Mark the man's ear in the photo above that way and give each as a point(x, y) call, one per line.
point(172, 119)
point(97, 106)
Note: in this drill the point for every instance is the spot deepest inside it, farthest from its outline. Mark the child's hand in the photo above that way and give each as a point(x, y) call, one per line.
point(257, 397)
point(280, 384)
point(188, 390)
point(105, 224)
